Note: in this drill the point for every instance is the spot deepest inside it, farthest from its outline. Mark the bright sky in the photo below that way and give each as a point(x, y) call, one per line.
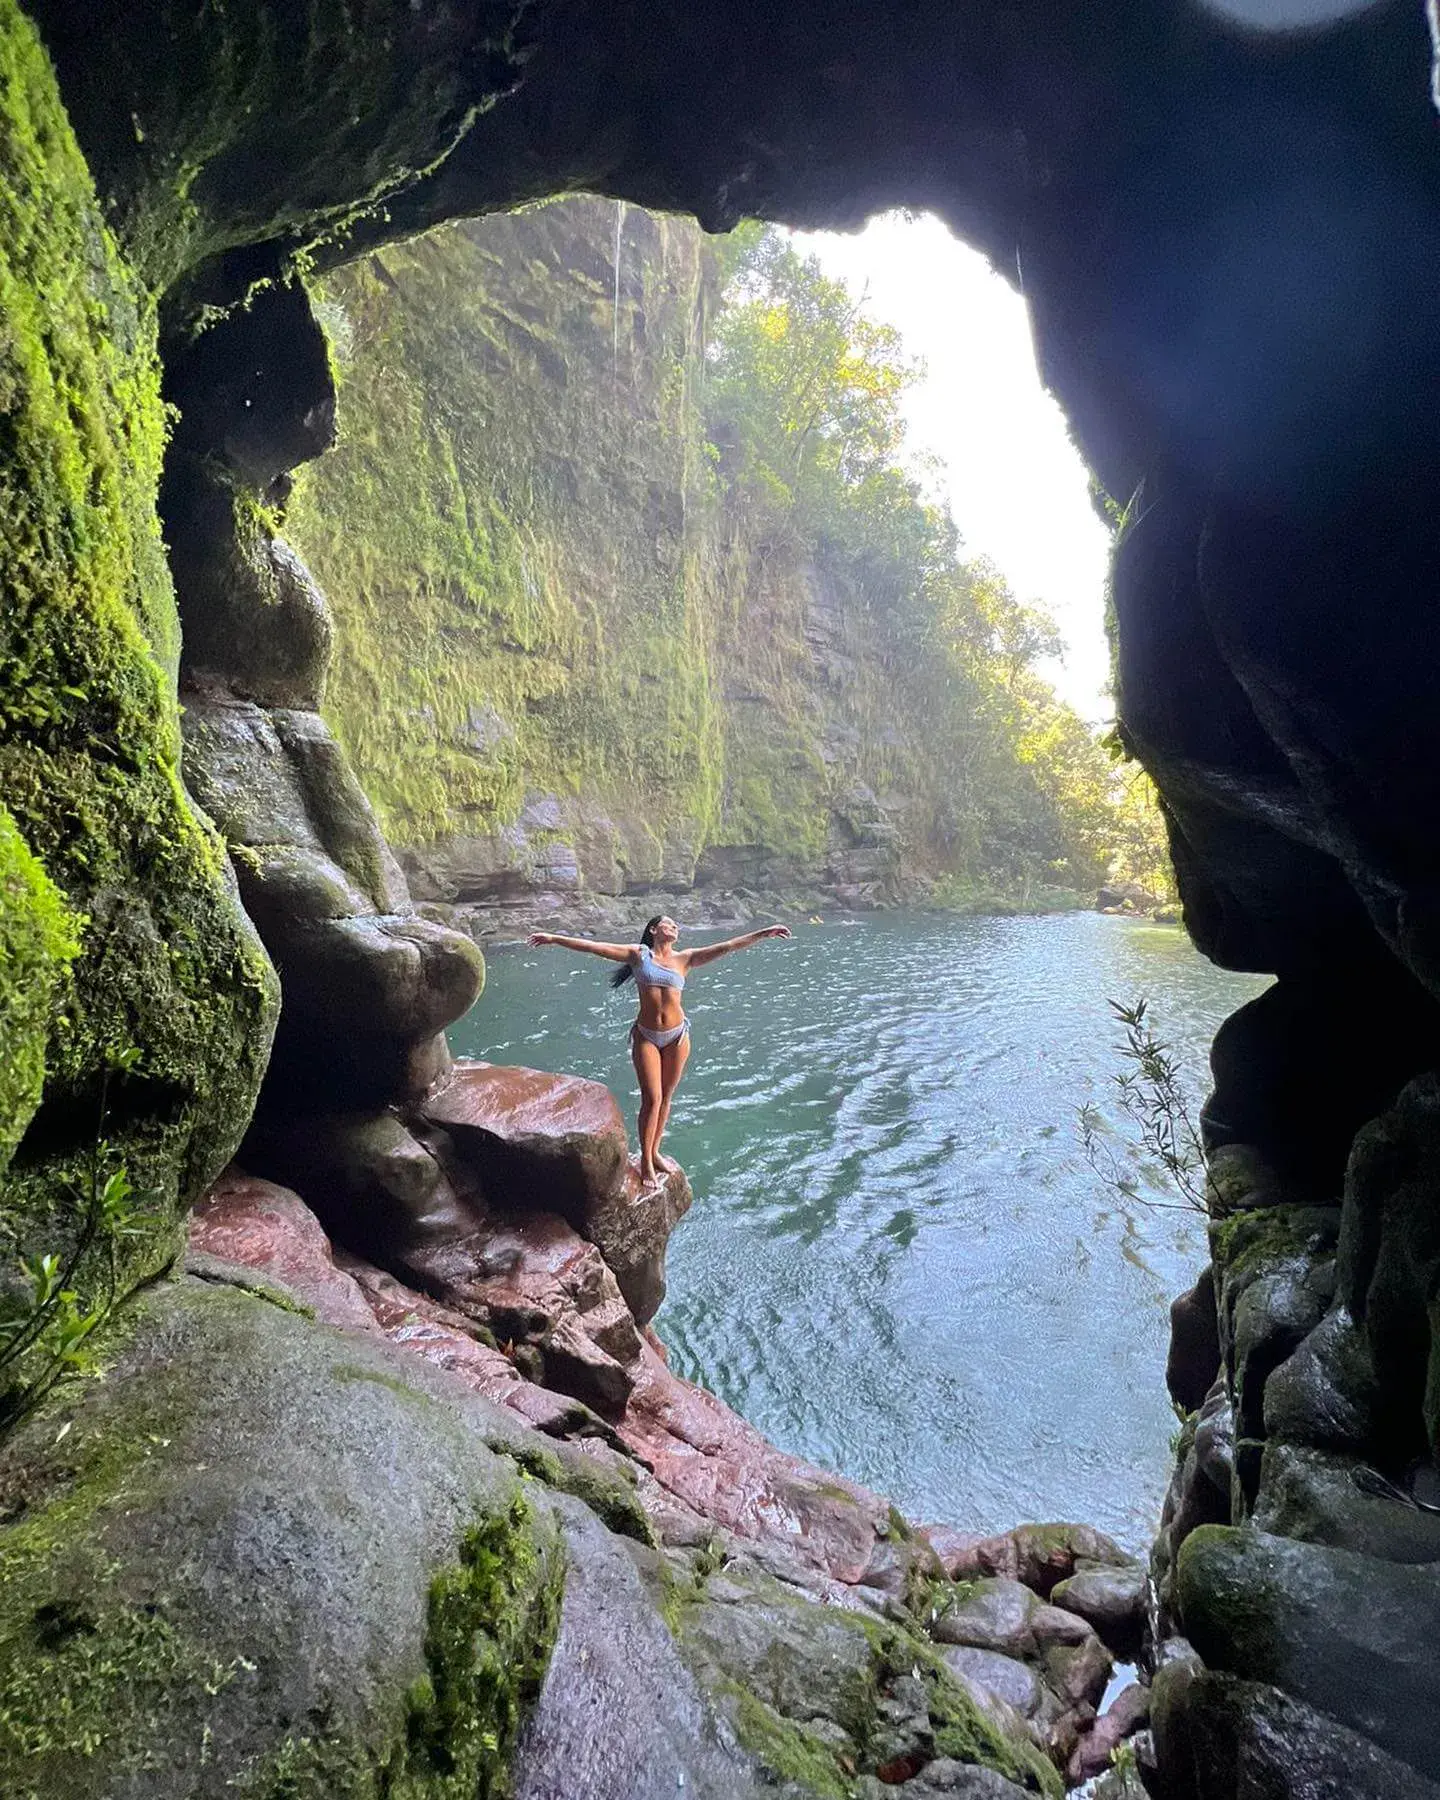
point(1016, 485)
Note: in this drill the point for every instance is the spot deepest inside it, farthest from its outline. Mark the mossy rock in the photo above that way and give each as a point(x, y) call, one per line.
point(1221, 1738)
point(1349, 1634)
point(101, 848)
point(266, 1558)
point(825, 1697)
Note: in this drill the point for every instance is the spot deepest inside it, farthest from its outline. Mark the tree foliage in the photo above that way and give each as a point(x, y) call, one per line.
point(806, 420)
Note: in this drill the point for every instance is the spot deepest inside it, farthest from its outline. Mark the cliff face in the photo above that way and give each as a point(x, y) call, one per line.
point(577, 655)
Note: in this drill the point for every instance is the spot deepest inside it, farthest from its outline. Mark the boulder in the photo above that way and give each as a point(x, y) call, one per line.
point(556, 1143)
point(1326, 1394)
point(245, 1225)
point(944, 1779)
point(993, 1613)
point(827, 1696)
point(1078, 1673)
point(1348, 1634)
point(263, 1551)
point(1004, 1677)
point(546, 1143)
point(1053, 1625)
point(533, 1278)
point(1127, 1712)
point(1218, 1737)
point(1390, 1252)
point(1037, 1555)
point(1313, 1495)
point(1194, 1358)
point(374, 1187)
point(1111, 1600)
point(621, 1715)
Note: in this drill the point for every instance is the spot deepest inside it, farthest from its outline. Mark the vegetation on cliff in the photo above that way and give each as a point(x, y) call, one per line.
point(623, 543)
point(120, 938)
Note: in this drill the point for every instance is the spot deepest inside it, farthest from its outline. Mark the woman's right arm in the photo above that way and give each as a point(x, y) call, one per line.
point(621, 953)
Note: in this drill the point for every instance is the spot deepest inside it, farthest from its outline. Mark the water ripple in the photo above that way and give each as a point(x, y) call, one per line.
point(897, 1264)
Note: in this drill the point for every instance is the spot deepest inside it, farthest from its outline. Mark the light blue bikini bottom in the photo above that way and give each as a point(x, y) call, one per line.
point(661, 1039)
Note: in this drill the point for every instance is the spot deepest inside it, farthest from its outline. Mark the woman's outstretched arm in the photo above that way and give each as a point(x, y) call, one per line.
point(708, 952)
point(621, 953)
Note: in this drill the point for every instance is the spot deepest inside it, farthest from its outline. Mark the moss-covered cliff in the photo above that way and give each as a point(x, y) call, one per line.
point(580, 646)
point(121, 941)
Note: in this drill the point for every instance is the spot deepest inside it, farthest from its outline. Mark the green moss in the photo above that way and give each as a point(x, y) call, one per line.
point(100, 1677)
point(533, 616)
point(1246, 1240)
point(790, 1751)
point(63, 1702)
point(89, 737)
point(38, 937)
point(271, 123)
point(493, 1619)
point(607, 1492)
point(812, 1692)
point(82, 1676)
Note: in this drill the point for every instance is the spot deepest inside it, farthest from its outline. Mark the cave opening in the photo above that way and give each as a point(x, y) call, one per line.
point(1228, 243)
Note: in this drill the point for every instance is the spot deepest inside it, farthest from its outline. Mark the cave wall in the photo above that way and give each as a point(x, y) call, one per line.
point(1228, 244)
point(136, 1003)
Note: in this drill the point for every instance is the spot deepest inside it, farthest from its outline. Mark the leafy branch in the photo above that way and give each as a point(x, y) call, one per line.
point(54, 1325)
point(1159, 1142)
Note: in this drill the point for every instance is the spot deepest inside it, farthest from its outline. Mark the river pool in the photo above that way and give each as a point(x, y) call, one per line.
point(898, 1263)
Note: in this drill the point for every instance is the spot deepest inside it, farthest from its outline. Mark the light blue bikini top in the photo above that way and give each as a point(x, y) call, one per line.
point(649, 973)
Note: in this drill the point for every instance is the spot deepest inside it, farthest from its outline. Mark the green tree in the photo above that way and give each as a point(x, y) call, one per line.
point(805, 411)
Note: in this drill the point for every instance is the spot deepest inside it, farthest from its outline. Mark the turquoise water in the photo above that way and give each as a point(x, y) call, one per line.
point(898, 1263)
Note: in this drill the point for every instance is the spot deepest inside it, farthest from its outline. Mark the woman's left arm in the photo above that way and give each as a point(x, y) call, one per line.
point(708, 952)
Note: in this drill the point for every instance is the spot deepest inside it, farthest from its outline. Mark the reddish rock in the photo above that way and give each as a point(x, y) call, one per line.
point(556, 1144)
point(1039, 1555)
point(533, 1279)
point(541, 1142)
point(631, 1227)
point(260, 1226)
point(1129, 1710)
point(954, 1548)
point(719, 1467)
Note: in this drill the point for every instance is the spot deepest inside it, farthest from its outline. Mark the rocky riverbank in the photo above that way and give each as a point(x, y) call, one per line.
point(848, 1650)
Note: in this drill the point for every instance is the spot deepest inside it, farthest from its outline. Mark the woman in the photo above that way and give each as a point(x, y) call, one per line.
point(660, 1036)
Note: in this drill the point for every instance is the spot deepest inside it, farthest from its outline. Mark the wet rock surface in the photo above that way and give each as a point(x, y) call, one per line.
point(219, 1560)
point(1221, 1738)
point(926, 1672)
point(1276, 666)
point(556, 1144)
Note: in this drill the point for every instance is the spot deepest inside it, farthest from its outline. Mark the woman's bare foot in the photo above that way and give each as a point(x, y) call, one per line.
point(649, 1177)
point(666, 1164)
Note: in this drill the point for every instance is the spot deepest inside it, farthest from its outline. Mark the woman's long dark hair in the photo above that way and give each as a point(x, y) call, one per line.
point(647, 938)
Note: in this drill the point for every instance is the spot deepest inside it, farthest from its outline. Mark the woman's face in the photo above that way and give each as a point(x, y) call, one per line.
point(666, 932)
